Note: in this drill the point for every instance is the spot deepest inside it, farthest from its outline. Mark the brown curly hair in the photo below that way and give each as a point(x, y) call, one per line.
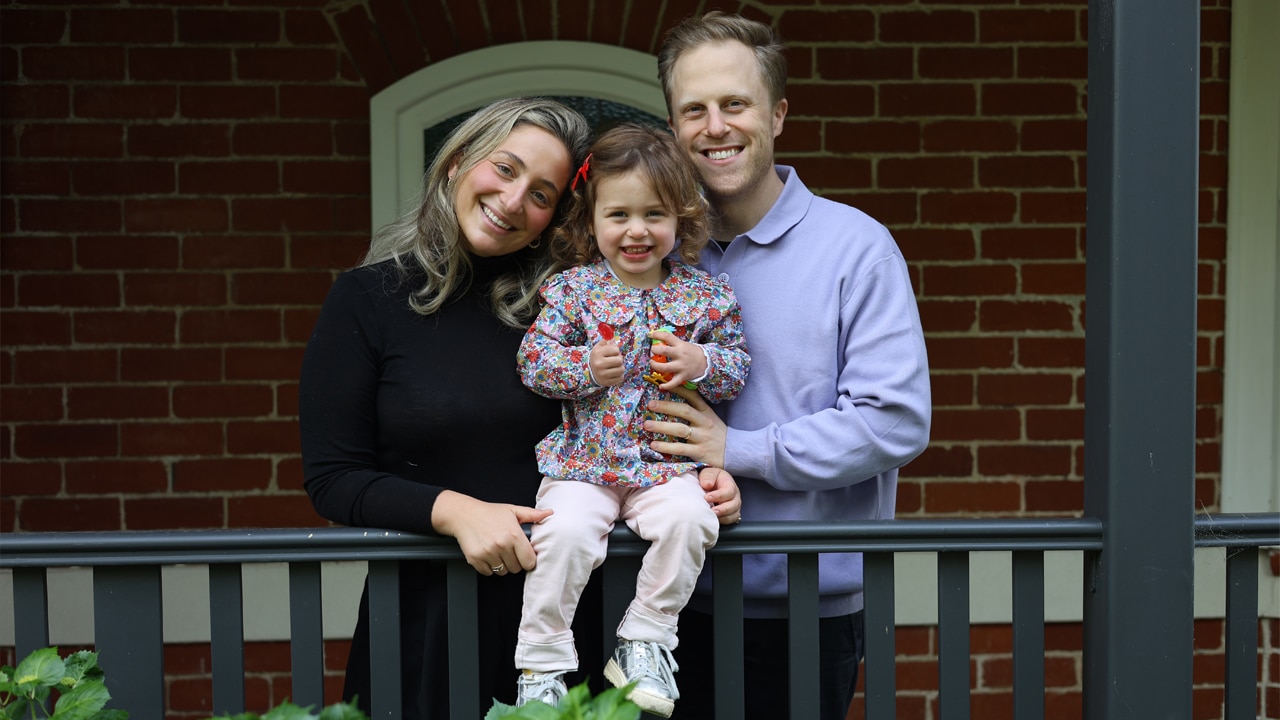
point(656, 155)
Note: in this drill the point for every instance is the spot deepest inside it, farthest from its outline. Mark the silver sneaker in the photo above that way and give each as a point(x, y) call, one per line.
point(548, 687)
point(649, 665)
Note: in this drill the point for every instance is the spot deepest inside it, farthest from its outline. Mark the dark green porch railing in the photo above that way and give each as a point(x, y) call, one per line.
point(127, 602)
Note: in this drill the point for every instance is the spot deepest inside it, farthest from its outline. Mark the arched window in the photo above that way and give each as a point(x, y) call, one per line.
point(409, 119)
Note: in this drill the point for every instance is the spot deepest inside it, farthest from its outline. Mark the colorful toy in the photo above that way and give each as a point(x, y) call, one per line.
point(657, 378)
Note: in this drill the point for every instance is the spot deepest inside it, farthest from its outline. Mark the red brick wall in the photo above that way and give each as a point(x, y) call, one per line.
point(180, 183)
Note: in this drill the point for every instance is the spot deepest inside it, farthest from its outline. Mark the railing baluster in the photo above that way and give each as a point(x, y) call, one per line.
point(880, 628)
point(1028, 635)
point(953, 635)
point(1242, 634)
point(30, 610)
point(226, 634)
point(726, 624)
point(464, 638)
point(384, 639)
point(802, 626)
point(128, 630)
point(306, 634)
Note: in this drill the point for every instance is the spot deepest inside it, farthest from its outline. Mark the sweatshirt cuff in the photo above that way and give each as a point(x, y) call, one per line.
point(744, 454)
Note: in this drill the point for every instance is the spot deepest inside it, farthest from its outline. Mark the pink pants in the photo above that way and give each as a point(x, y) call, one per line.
point(674, 517)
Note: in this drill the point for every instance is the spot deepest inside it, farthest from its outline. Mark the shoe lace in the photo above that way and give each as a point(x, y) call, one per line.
point(657, 663)
point(540, 685)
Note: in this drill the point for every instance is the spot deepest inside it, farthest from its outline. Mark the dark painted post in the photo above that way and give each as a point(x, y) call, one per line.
point(1140, 356)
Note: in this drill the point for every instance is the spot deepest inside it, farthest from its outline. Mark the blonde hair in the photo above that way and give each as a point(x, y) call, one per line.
point(660, 161)
point(718, 26)
point(428, 238)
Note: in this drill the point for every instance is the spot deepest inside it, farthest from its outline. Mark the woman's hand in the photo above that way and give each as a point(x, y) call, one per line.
point(488, 533)
point(702, 432)
point(722, 494)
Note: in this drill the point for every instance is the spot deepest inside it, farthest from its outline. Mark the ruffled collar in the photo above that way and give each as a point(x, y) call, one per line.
point(677, 298)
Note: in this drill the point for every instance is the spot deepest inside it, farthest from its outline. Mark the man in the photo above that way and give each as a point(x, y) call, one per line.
point(838, 397)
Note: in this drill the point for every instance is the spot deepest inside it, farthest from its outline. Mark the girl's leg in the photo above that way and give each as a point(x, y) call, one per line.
point(680, 526)
point(570, 544)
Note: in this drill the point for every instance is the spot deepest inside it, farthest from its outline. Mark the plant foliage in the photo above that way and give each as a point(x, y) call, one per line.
point(578, 704)
point(82, 693)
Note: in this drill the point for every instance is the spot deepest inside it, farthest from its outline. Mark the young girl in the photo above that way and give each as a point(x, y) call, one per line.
point(624, 325)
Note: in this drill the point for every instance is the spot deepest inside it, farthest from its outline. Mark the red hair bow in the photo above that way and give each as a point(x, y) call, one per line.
point(582, 173)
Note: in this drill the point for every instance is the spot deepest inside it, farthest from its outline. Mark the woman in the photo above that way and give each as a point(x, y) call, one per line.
point(412, 415)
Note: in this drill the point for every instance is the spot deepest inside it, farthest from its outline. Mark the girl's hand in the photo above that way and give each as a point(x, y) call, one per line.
point(488, 533)
point(685, 361)
point(701, 435)
point(722, 494)
point(606, 363)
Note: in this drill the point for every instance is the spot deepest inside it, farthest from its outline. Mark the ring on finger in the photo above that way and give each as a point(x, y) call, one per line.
point(498, 568)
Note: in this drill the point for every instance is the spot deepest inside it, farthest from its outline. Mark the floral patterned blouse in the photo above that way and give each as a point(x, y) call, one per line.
point(602, 438)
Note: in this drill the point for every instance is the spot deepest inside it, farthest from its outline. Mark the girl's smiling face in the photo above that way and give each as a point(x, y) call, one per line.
point(633, 229)
point(508, 199)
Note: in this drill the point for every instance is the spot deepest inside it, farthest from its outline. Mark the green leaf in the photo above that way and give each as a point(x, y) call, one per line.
point(500, 710)
point(83, 665)
point(288, 711)
point(82, 702)
point(112, 714)
point(342, 711)
point(42, 668)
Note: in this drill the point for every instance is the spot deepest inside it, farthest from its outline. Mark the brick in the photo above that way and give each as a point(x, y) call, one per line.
point(1021, 316)
point(286, 288)
point(1053, 207)
point(38, 367)
point(328, 102)
point(870, 136)
point(831, 100)
point(170, 289)
point(364, 48)
point(283, 139)
point(288, 214)
point(1053, 279)
point(865, 63)
point(352, 138)
point(942, 498)
point(1027, 171)
point(956, 63)
point(962, 353)
point(970, 135)
point(173, 513)
point(299, 323)
point(10, 65)
point(222, 401)
point(920, 27)
point(194, 694)
point(1027, 26)
point(27, 404)
point(72, 63)
point(35, 101)
point(262, 437)
point(122, 178)
point(218, 475)
point(92, 477)
point(26, 479)
point(948, 316)
point(952, 389)
point(1053, 135)
point(126, 326)
point(122, 26)
point(316, 252)
point(969, 280)
point(938, 461)
point(826, 25)
point(925, 172)
point(29, 26)
point(308, 27)
point(1055, 424)
point(69, 216)
point(910, 497)
point(117, 402)
point(606, 24)
point(834, 172)
point(948, 208)
point(222, 327)
point(1059, 63)
point(65, 440)
point(1025, 243)
point(292, 64)
point(1030, 99)
point(326, 177)
point(1209, 387)
point(926, 99)
point(228, 101)
point(405, 49)
point(145, 439)
point(229, 178)
point(919, 244)
point(228, 26)
point(1022, 389)
point(125, 101)
point(36, 178)
point(35, 253)
point(293, 510)
point(78, 290)
point(69, 514)
point(20, 328)
point(80, 141)
point(175, 215)
point(233, 251)
point(1025, 460)
point(115, 252)
point(180, 64)
point(287, 399)
point(263, 363)
point(168, 364)
point(1051, 352)
point(957, 425)
point(182, 140)
point(352, 214)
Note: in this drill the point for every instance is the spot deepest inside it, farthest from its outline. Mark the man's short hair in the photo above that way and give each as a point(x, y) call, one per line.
point(718, 26)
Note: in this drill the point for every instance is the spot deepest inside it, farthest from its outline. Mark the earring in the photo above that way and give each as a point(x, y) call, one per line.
point(537, 242)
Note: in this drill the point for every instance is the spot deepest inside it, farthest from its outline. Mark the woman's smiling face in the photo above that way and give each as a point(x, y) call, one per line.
point(508, 199)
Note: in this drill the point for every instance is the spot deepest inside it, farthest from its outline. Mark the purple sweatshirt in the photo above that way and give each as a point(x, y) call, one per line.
point(839, 392)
